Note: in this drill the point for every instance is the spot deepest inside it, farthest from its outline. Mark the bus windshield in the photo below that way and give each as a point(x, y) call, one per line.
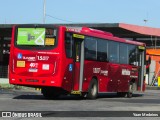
point(36, 38)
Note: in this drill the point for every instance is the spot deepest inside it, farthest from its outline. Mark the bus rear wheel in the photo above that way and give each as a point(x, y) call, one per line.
point(50, 93)
point(93, 90)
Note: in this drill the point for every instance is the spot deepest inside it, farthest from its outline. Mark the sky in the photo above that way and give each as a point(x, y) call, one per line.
point(81, 11)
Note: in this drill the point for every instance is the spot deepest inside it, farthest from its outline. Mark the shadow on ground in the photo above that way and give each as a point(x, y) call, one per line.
point(71, 97)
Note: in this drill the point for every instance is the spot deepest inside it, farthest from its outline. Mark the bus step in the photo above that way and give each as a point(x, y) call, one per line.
point(76, 92)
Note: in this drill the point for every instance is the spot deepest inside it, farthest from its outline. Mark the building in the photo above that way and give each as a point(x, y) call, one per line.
point(151, 36)
point(5, 39)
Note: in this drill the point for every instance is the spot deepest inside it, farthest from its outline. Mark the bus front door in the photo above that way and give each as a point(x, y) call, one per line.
point(78, 65)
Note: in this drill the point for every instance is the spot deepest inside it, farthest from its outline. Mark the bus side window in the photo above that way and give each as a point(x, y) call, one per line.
point(68, 45)
point(102, 50)
point(90, 48)
point(133, 55)
point(123, 53)
point(113, 51)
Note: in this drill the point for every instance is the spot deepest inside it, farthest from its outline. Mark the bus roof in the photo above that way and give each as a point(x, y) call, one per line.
point(101, 34)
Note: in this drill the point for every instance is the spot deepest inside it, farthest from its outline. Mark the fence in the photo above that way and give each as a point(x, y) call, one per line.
point(3, 71)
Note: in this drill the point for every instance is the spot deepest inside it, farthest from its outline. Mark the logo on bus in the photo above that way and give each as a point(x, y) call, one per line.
point(101, 72)
point(29, 58)
point(96, 70)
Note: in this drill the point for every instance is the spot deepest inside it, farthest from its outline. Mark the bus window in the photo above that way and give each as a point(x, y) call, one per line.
point(90, 48)
point(123, 53)
point(113, 51)
point(133, 55)
point(39, 38)
point(102, 46)
point(68, 45)
point(78, 50)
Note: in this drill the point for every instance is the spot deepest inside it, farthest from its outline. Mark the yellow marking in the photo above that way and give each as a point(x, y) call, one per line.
point(76, 92)
point(141, 47)
point(78, 36)
point(158, 81)
point(20, 63)
point(38, 89)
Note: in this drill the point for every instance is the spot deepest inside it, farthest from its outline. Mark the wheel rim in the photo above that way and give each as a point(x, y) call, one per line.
point(94, 90)
point(130, 92)
point(131, 88)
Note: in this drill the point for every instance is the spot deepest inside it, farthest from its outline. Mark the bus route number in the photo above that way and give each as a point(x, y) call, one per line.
point(42, 58)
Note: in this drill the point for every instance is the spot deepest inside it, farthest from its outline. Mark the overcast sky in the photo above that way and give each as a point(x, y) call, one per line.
point(81, 11)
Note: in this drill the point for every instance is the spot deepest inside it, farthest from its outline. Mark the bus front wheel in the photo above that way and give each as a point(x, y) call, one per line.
point(121, 94)
point(130, 91)
point(93, 89)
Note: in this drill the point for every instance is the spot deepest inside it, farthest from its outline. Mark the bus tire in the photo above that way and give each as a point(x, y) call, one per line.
point(93, 89)
point(121, 94)
point(130, 90)
point(50, 93)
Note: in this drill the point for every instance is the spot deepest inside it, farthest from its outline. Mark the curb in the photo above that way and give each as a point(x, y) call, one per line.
point(152, 88)
point(9, 86)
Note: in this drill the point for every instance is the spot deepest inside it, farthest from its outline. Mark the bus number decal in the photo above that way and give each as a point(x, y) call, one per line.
point(43, 58)
point(33, 65)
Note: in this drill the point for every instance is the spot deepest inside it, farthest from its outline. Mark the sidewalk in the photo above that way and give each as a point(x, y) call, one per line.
point(4, 83)
point(152, 87)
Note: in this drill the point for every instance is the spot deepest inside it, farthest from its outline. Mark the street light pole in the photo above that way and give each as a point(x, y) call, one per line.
point(145, 21)
point(44, 11)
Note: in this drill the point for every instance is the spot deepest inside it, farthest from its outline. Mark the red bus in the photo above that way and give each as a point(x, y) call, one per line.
point(75, 60)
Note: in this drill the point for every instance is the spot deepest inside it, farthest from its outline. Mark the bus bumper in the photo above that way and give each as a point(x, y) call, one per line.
point(35, 81)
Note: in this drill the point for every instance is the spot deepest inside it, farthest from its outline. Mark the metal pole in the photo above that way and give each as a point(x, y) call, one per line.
point(81, 66)
point(44, 11)
point(142, 69)
point(155, 42)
